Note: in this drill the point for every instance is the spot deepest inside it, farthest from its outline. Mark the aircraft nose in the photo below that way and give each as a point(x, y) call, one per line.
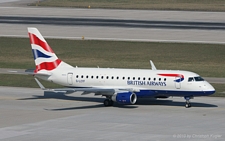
point(208, 88)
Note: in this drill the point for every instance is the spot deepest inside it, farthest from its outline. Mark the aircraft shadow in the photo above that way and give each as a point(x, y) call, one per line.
point(166, 102)
point(93, 106)
point(141, 101)
point(62, 96)
point(76, 108)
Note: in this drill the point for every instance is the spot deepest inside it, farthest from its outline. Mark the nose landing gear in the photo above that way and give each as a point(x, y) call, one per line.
point(188, 104)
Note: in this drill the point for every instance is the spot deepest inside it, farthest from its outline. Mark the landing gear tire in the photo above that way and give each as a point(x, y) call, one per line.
point(108, 102)
point(187, 105)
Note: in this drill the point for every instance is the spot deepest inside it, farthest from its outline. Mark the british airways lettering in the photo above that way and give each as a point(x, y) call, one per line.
point(150, 83)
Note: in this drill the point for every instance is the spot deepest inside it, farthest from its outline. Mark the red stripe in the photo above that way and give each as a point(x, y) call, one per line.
point(35, 40)
point(47, 65)
point(172, 75)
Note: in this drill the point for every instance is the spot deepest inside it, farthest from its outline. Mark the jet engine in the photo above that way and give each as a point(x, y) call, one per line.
point(125, 98)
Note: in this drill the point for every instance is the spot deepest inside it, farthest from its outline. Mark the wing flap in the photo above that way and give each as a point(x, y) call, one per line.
point(96, 91)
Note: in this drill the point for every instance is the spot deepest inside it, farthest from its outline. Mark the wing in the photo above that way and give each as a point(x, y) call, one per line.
point(95, 90)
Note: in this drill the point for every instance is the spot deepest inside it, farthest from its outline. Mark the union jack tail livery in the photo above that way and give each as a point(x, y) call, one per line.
point(44, 56)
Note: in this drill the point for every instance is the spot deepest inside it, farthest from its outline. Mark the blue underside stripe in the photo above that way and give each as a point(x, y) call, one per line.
point(154, 93)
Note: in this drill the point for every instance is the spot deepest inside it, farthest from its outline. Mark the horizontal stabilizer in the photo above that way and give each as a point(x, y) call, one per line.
point(39, 83)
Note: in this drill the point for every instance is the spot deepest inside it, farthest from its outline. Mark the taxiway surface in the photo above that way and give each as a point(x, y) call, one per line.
point(128, 25)
point(29, 114)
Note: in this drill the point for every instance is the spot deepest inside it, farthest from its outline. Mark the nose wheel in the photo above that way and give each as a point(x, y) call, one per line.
point(188, 104)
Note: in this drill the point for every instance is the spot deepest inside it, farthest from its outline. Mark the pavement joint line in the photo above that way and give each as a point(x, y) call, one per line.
point(122, 39)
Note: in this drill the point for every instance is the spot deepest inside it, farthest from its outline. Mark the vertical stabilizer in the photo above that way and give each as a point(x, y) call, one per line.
point(44, 56)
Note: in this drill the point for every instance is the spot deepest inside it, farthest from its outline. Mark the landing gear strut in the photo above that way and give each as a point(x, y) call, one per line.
point(188, 104)
point(108, 102)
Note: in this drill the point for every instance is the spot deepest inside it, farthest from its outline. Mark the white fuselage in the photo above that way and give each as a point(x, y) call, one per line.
point(148, 82)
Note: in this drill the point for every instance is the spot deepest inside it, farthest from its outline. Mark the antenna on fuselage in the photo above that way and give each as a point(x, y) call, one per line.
point(152, 65)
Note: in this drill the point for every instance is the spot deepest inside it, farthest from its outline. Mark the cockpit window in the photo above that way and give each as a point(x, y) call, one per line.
point(190, 79)
point(198, 79)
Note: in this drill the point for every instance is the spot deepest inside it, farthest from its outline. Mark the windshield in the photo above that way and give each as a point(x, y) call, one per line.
point(198, 78)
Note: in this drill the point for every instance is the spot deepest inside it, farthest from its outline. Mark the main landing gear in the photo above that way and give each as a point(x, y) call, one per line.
point(108, 102)
point(188, 104)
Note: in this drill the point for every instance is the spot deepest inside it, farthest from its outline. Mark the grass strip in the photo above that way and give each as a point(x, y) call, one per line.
point(205, 59)
point(190, 5)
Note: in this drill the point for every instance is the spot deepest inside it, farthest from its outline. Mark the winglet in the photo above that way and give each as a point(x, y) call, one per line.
point(152, 65)
point(39, 83)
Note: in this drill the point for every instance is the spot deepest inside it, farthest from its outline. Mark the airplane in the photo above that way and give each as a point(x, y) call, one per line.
point(123, 86)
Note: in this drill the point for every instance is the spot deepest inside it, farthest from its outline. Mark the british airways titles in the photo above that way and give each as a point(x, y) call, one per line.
point(150, 83)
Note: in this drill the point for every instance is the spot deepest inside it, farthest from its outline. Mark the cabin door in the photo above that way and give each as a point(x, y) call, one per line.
point(177, 82)
point(70, 78)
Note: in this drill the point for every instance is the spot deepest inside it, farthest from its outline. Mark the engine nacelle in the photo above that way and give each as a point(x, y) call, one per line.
point(125, 98)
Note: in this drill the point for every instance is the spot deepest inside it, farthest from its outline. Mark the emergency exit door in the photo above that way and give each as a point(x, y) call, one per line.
point(70, 78)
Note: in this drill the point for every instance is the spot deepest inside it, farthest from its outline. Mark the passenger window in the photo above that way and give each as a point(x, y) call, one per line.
point(128, 78)
point(87, 76)
point(117, 77)
point(102, 77)
point(138, 78)
point(112, 77)
point(190, 79)
point(159, 79)
point(77, 76)
point(107, 77)
point(154, 79)
point(133, 78)
point(123, 78)
point(143, 78)
point(164, 79)
point(96, 77)
point(92, 77)
point(82, 76)
point(149, 78)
